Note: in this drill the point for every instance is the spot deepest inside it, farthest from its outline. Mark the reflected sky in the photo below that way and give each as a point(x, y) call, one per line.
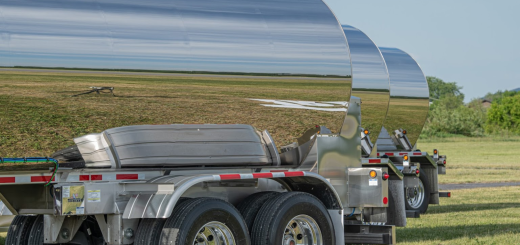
point(286, 37)
point(406, 77)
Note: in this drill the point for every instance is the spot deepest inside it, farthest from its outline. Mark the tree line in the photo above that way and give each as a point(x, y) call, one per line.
point(449, 115)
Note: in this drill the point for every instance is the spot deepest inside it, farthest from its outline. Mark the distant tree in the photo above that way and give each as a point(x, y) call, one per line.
point(440, 88)
point(504, 115)
point(497, 97)
point(448, 115)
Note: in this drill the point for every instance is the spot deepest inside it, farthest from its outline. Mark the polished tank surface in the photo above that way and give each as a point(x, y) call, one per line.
point(278, 65)
point(370, 80)
point(409, 94)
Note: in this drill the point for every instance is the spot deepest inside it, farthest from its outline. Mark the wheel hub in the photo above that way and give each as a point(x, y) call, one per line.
point(302, 230)
point(214, 233)
point(415, 196)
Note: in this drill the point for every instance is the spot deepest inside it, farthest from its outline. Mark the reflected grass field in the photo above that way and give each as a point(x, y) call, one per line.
point(38, 116)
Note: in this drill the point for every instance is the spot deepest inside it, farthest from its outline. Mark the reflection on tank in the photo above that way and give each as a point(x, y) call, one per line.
point(371, 82)
point(220, 54)
point(308, 105)
point(409, 94)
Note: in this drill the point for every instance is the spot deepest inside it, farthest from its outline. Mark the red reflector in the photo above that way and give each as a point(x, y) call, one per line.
point(229, 176)
point(386, 176)
point(294, 174)
point(374, 160)
point(7, 179)
point(417, 153)
point(444, 161)
point(385, 200)
point(127, 176)
point(389, 154)
point(449, 194)
point(262, 175)
point(84, 178)
point(96, 177)
point(377, 154)
point(417, 171)
point(41, 178)
point(402, 153)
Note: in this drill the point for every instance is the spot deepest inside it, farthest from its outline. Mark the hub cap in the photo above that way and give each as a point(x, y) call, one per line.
point(214, 233)
point(302, 230)
point(415, 198)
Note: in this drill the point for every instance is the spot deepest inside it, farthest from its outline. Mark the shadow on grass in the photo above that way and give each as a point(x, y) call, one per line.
point(471, 207)
point(445, 233)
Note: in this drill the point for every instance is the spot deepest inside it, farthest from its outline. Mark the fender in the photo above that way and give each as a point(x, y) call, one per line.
point(162, 205)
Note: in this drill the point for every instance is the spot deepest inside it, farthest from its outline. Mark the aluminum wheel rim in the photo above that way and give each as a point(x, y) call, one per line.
point(214, 233)
point(417, 200)
point(302, 230)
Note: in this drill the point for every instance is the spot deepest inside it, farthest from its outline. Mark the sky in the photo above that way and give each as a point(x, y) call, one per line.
point(475, 43)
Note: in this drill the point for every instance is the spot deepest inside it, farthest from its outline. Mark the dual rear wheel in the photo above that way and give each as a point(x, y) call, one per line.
point(266, 218)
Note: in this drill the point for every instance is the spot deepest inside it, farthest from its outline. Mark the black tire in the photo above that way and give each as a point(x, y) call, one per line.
point(271, 221)
point(149, 231)
point(36, 233)
point(426, 200)
point(68, 154)
point(250, 206)
point(190, 216)
point(18, 233)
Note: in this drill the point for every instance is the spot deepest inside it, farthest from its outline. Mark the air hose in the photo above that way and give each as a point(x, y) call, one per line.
point(34, 160)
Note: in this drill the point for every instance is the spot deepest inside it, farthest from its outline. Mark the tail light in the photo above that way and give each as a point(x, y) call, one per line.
point(385, 176)
point(444, 162)
point(417, 171)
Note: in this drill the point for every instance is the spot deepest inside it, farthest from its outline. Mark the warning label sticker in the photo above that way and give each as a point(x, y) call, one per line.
point(94, 196)
point(372, 182)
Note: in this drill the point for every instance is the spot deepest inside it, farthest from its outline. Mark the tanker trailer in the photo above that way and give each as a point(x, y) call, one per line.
point(371, 83)
point(269, 154)
point(407, 113)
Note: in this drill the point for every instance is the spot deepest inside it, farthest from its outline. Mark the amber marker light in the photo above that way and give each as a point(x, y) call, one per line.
point(405, 157)
point(435, 151)
point(373, 174)
point(367, 132)
point(404, 131)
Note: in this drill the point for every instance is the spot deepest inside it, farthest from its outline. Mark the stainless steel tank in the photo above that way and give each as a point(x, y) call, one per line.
point(371, 81)
point(409, 95)
point(280, 65)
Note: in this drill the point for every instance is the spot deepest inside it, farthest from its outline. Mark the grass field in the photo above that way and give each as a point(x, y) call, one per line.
point(477, 160)
point(473, 216)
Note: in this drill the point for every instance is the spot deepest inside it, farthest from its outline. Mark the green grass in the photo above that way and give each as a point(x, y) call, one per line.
point(477, 160)
point(475, 216)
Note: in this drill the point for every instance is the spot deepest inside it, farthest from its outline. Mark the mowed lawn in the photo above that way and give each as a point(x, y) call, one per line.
point(477, 160)
point(472, 216)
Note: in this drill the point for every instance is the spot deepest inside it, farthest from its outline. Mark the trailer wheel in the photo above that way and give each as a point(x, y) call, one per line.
point(19, 230)
point(149, 231)
point(36, 233)
point(418, 198)
point(293, 218)
point(200, 221)
point(250, 206)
